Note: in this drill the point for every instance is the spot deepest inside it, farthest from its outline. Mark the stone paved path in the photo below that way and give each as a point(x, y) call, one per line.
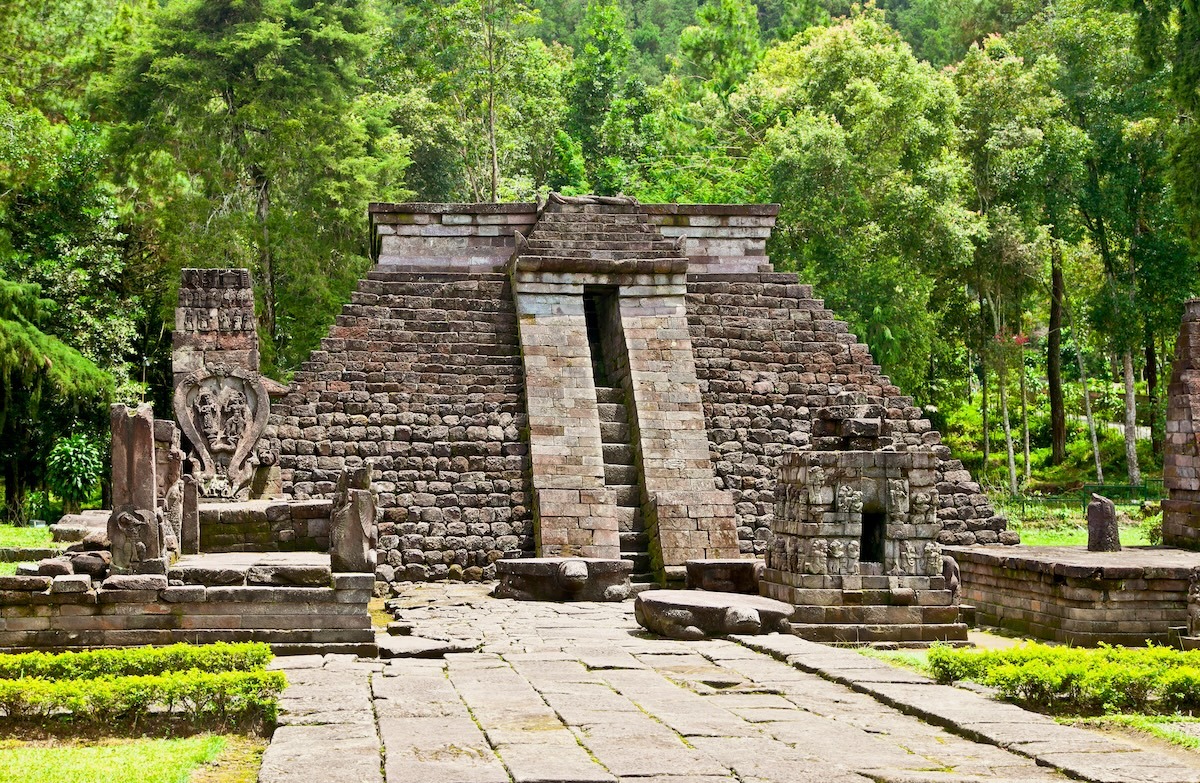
point(576, 692)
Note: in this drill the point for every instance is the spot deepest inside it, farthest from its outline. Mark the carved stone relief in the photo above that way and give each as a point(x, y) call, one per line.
point(223, 411)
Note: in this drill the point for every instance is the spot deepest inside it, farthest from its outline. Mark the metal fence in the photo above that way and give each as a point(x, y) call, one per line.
point(1149, 490)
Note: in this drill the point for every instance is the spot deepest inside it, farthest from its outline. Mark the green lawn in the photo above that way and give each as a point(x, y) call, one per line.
point(8, 569)
point(1074, 535)
point(12, 536)
point(108, 761)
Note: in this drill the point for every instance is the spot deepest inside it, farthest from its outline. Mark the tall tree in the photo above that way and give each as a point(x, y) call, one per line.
point(246, 118)
point(723, 46)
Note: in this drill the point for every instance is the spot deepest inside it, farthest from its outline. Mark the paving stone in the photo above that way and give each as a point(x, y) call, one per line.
point(421, 647)
point(332, 753)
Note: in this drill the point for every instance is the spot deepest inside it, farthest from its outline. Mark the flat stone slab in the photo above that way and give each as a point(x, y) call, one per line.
point(564, 579)
point(1077, 561)
point(421, 647)
point(221, 569)
point(693, 614)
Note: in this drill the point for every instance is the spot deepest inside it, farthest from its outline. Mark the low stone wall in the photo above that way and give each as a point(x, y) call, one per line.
point(266, 526)
point(1070, 595)
point(69, 612)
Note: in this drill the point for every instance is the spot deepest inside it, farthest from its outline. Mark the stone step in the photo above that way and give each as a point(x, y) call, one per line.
point(620, 474)
point(640, 560)
point(626, 495)
point(610, 394)
point(635, 541)
point(612, 411)
point(926, 633)
point(614, 432)
point(618, 454)
point(629, 519)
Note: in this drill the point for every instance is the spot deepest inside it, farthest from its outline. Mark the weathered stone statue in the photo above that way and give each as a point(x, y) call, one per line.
point(817, 562)
point(837, 551)
point(352, 530)
point(1103, 534)
point(135, 527)
point(853, 551)
point(933, 559)
point(223, 411)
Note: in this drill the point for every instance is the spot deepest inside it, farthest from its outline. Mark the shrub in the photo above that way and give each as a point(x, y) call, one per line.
point(201, 697)
point(73, 467)
point(219, 657)
point(1079, 681)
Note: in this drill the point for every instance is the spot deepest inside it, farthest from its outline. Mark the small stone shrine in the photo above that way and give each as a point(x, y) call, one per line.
point(854, 546)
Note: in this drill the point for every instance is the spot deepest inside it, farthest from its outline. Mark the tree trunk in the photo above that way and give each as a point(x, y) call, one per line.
point(1025, 418)
point(1087, 399)
point(987, 437)
point(262, 185)
point(1135, 474)
point(491, 104)
point(1002, 380)
point(11, 505)
point(1058, 413)
point(1156, 443)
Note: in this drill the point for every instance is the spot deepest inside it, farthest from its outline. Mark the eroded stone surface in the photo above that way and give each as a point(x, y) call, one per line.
point(564, 579)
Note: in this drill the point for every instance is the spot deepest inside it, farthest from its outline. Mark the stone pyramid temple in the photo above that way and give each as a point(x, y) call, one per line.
point(590, 376)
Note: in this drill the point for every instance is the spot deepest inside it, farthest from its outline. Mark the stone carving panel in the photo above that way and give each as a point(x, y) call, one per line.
point(223, 411)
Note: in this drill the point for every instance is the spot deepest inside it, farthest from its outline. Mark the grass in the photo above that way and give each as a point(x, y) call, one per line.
point(1161, 726)
point(111, 760)
point(8, 569)
point(1066, 525)
point(13, 536)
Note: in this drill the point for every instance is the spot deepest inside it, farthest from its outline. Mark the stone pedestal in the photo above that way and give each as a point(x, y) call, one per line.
point(691, 614)
point(563, 579)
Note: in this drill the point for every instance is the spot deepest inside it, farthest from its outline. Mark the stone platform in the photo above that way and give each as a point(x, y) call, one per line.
point(290, 600)
point(1071, 595)
point(696, 614)
point(564, 579)
point(577, 692)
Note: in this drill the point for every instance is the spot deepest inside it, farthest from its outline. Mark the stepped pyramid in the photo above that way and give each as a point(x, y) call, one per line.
point(590, 376)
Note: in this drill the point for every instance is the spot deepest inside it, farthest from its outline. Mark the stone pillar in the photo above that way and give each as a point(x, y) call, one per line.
point(686, 516)
point(214, 322)
point(133, 526)
point(1181, 459)
point(189, 537)
point(575, 516)
point(1103, 534)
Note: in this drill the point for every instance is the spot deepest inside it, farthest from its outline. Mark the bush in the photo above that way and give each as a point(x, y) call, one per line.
point(136, 661)
point(73, 468)
point(201, 697)
point(1079, 681)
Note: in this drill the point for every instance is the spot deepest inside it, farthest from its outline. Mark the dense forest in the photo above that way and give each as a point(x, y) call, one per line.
point(1001, 196)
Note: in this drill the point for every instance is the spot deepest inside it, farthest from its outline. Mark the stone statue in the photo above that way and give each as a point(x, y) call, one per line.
point(352, 531)
point(906, 559)
point(951, 575)
point(837, 550)
point(208, 415)
point(235, 416)
point(898, 496)
point(817, 559)
point(853, 552)
point(850, 500)
point(1103, 534)
point(933, 559)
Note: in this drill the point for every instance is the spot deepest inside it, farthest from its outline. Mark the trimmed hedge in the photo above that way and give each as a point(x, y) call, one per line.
point(136, 661)
point(201, 697)
point(1078, 681)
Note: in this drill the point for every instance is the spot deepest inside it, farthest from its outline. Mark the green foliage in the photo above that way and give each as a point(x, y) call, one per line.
point(136, 661)
point(724, 46)
point(73, 467)
point(202, 698)
point(1078, 681)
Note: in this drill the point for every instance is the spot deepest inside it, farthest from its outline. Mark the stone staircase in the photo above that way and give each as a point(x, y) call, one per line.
point(621, 476)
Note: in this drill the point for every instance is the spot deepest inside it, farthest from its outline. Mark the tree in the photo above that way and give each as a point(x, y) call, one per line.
point(241, 123)
point(724, 46)
point(45, 386)
point(597, 78)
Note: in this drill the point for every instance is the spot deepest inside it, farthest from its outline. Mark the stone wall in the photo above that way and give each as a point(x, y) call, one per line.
point(265, 526)
point(421, 375)
point(1073, 597)
point(69, 612)
point(769, 355)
